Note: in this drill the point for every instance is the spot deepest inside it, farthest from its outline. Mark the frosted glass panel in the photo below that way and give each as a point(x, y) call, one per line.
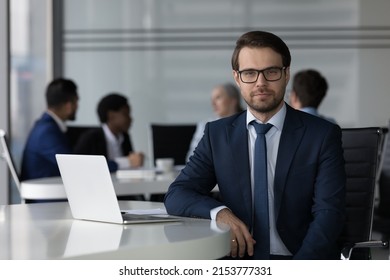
point(30, 35)
point(167, 55)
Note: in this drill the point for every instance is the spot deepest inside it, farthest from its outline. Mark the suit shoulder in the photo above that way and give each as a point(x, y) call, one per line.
point(45, 126)
point(229, 120)
point(314, 121)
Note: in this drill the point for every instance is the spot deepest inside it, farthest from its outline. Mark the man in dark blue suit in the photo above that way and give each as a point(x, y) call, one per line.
point(305, 165)
point(48, 136)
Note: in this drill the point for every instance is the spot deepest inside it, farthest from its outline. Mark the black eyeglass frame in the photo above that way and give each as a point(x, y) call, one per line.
point(262, 72)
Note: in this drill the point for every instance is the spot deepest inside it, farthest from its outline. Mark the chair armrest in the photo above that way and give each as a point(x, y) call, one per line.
point(347, 249)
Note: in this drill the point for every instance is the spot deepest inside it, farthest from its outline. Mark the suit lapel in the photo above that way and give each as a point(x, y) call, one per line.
point(239, 149)
point(102, 142)
point(291, 136)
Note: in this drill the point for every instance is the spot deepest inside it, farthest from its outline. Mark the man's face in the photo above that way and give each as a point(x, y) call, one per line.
point(74, 104)
point(121, 120)
point(223, 104)
point(263, 97)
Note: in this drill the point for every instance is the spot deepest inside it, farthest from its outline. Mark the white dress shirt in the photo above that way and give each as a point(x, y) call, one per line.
point(61, 124)
point(114, 148)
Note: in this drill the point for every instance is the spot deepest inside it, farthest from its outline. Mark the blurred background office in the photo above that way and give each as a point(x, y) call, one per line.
point(166, 55)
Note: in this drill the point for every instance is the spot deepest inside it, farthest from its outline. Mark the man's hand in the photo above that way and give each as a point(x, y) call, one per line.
point(241, 239)
point(136, 159)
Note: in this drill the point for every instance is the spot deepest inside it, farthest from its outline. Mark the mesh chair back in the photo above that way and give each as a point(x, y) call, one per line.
point(361, 153)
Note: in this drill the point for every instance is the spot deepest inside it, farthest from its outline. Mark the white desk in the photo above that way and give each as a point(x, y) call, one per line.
point(47, 231)
point(53, 188)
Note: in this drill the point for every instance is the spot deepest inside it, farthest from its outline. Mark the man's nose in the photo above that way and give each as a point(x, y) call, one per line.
point(261, 80)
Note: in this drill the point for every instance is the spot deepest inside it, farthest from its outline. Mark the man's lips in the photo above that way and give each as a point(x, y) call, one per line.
point(261, 94)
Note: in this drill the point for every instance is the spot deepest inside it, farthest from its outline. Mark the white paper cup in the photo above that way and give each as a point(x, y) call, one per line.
point(165, 165)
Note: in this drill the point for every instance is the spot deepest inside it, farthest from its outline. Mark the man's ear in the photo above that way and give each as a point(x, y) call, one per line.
point(68, 106)
point(287, 75)
point(110, 115)
point(236, 77)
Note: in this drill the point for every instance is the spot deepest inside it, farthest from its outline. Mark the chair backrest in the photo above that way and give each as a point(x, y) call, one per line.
point(74, 133)
point(384, 179)
point(361, 153)
point(172, 140)
point(8, 158)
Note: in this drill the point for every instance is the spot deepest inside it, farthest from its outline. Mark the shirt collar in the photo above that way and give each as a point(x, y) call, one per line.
point(61, 124)
point(110, 136)
point(277, 120)
point(310, 110)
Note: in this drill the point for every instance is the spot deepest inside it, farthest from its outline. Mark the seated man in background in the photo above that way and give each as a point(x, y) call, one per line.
point(226, 101)
point(48, 136)
point(112, 139)
point(309, 89)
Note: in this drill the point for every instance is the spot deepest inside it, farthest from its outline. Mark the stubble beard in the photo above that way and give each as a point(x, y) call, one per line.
point(265, 107)
point(72, 117)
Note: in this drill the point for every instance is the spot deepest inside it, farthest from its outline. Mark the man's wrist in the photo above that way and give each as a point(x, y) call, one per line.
point(214, 212)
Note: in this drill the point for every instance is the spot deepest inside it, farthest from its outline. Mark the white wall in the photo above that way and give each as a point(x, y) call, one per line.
point(167, 55)
point(374, 75)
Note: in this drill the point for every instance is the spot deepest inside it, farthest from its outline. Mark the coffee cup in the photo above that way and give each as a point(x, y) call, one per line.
point(165, 165)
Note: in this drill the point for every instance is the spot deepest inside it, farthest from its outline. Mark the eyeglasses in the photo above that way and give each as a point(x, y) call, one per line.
point(271, 74)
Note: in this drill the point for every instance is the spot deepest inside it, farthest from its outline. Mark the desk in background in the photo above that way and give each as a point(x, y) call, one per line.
point(53, 188)
point(47, 231)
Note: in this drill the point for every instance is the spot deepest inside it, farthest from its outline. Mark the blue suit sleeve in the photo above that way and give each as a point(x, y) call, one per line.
point(189, 195)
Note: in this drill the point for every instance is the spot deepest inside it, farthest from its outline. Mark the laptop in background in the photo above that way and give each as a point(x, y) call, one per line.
point(91, 194)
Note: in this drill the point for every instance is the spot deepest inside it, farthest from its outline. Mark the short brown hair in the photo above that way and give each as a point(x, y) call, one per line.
point(261, 39)
point(310, 87)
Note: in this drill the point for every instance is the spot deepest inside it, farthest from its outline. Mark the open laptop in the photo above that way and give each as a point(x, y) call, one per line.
point(91, 193)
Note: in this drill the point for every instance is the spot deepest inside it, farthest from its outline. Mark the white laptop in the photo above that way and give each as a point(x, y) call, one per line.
point(91, 193)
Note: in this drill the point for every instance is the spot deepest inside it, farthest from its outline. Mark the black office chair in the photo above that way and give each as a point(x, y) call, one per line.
point(361, 153)
point(74, 133)
point(382, 213)
point(172, 140)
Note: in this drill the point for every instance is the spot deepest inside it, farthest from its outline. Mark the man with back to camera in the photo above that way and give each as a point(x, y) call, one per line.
point(280, 172)
point(308, 90)
point(48, 136)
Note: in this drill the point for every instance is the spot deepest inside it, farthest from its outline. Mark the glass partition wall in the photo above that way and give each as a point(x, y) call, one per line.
point(4, 95)
point(31, 63)
point(166, 56)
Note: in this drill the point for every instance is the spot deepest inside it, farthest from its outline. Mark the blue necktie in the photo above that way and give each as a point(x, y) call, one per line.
point(261, 216)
